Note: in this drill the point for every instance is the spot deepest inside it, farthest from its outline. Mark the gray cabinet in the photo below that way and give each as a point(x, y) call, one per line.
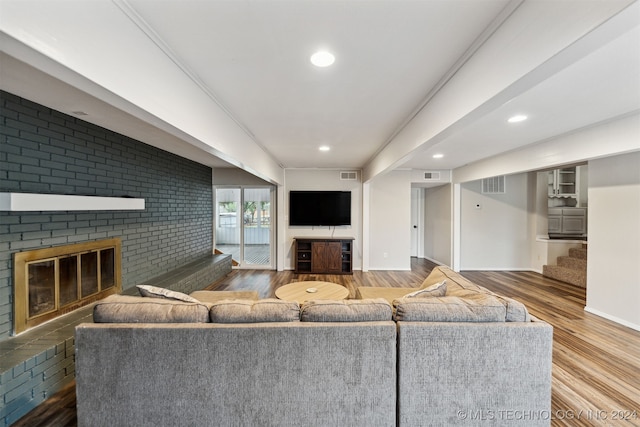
point(566, 191)
point(554, 220)
point(566, 222)
point(574, 221)
point(563, 182)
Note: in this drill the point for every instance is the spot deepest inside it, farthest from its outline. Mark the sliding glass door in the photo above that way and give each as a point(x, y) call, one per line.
point(243, 225)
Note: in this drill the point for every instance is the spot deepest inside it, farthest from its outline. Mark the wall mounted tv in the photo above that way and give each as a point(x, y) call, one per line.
point(311, 208)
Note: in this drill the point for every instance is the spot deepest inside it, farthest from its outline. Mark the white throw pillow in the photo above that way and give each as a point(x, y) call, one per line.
point(436, 290)
point(157, 292)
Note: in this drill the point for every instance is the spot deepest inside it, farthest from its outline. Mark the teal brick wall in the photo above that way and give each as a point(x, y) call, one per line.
point(46, 151)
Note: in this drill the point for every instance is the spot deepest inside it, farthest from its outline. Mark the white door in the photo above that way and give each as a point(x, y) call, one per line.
point(415, 220)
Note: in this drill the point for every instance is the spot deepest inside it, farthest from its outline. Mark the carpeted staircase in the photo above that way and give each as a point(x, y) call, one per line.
point(570, 269)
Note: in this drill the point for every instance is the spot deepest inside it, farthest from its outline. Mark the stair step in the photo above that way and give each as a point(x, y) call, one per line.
point(568, 275)
point(572, 263)
point(579, 253)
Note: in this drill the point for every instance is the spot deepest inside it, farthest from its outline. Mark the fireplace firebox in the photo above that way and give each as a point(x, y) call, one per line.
point(54, 281)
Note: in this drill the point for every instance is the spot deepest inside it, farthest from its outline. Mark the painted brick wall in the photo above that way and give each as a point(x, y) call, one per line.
point(45, 151)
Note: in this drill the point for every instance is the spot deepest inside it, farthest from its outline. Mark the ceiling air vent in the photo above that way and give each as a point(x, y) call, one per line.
point(494, 185)
point(349, 176)
point(432, 176)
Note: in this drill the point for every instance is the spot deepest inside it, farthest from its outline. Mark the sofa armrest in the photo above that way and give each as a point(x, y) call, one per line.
point(477, 368)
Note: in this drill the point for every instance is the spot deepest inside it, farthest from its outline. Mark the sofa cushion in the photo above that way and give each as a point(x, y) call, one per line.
point(134, 309)
point(157, 292)
point(436, 290)
point(516, 311)
point(249, 311)
point(476, 308)
point(214, 296)
point(454, 280)
point(365, 310)
point(459, 286)
point(435, 276)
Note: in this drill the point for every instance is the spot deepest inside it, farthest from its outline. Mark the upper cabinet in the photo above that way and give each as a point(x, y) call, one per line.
point(563, 182)
point(567, 190)
point(564, 187)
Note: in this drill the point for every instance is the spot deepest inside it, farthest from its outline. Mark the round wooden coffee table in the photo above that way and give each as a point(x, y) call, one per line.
point(304, 291)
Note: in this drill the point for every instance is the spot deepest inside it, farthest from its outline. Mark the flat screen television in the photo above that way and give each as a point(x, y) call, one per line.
point(311, 208)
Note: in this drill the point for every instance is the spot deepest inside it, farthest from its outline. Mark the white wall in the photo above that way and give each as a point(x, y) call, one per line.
point(541, 202)
point(390, 221)
point(538, 232)
point(235, 177)
point(319, 180)
point(583, 173)
point(613, 265)
point(495, 227)
point(437, 229)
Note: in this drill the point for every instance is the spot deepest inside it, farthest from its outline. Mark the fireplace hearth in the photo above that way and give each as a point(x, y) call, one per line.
point(54, 281)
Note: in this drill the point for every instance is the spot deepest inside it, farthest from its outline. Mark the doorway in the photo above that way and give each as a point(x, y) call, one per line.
point(244, 226)
point(417, 222)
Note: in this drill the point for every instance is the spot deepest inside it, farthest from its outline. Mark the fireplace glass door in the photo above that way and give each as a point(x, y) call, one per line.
point(50, 282)
point(68, 279)
point(42, 287)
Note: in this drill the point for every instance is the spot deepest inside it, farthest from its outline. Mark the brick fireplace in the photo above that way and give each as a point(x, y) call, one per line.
point(54, 281)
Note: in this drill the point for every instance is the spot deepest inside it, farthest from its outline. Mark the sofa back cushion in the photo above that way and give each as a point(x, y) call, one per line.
point(364, 310)
point(250, 311)
point(134, 309)
point(459, 286)
point(435, 276)
point(477, 308)
point(516, 311)
point(455, 281)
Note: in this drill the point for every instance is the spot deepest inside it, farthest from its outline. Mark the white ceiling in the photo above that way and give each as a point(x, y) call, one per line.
point(602, 86)
point(393, 59)
point(254, 56)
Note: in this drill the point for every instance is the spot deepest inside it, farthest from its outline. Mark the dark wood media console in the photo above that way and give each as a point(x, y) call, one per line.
point(324, 256)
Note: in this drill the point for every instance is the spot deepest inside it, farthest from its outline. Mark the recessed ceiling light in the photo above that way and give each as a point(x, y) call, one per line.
point(322, 58)
point(438, 156)
point(517, 118)
point(324, 148)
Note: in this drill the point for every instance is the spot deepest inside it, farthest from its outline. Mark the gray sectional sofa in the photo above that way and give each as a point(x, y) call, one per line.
point(456, 358)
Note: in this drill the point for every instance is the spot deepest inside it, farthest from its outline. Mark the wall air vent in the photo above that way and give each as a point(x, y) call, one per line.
point(494, 185)
point(349, 176)
point(432, 176)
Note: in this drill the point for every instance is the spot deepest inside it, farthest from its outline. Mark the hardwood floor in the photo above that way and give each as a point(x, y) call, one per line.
point(596, 362)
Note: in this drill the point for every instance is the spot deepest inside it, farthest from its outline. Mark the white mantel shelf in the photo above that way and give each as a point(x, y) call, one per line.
point(64, 202)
